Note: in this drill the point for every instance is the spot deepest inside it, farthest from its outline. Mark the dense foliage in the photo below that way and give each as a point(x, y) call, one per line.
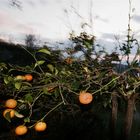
point(53, 92)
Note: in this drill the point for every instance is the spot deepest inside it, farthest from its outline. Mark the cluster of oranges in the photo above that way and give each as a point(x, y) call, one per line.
point(22, 129)
point(27, 77)
point(10, 105)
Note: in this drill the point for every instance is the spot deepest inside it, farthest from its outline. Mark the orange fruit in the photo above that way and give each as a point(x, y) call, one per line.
point(21, 130)
point(85, 97)
point(40, 126)
point(28, 77)
point(19, 77)
point(11, 111)
point(11, 103)
point(69, 60)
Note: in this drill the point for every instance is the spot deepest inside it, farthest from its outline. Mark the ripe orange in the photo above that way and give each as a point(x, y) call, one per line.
point(85, 97)
point(19, 77)
point(11, 111)
point(28, 77)
point(11, 103)
point(69, 60)
point(21, 130)
point(40, 126)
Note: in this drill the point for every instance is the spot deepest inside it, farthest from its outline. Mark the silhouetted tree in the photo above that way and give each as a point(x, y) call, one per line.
point(30, 41)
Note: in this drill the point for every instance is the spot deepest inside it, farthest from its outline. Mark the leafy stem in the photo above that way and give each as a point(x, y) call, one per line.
point(106, 85)
point(48, 113)
point(34, 58)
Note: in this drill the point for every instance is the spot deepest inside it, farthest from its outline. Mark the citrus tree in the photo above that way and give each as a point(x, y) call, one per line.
point(53, 82)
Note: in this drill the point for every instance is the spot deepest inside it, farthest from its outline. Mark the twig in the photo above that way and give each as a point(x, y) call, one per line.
point(61, 95)
point(48, 113)
point(106, 85)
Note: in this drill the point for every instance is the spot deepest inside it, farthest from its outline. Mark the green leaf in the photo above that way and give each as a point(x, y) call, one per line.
point(105, 104)
point(45, 51)
point(18, 115)
point(10, 78)
point(56, 94)
point(18, 85)
point(7, 116)
point(21, 101)
point(64, 72)
point(48, 74)
point(75, 85)
point(56, 71)
point(69, 73)
point(3, 66)
point(12, 69)
point(45, 91)
point(51, 67)
point(38, 63)
point(29, 98)
point(87, 44)
point(27, 84)
point(27, 120)
point(22, 106)
point(25, 87)
point(6, 80)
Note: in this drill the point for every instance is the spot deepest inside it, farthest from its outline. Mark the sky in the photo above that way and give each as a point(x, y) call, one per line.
point(55, 19)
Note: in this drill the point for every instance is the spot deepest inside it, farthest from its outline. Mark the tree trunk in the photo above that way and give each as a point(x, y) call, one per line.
point(129, 116)
point(114, 115)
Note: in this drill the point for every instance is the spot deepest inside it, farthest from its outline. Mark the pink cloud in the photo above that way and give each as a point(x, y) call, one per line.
point(9, 22)
point(131, 57)
point(6, 19)
point(23, 28)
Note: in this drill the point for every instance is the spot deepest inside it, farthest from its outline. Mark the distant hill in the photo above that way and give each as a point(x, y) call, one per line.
point(14, 54)
point(17, 55)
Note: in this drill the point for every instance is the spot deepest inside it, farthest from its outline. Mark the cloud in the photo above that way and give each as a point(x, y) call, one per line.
point(4, 37)
point(8, 23)
point(23, 28)
point(6, 20)
point(3, 19)
point(36, 24)
point(131, 58)
point(112, 37)
point(108, 36)
point(136, 18)
point(108, 45)
point(34, 3)
point(43, 2)
point(31, 3)
point(101, 19)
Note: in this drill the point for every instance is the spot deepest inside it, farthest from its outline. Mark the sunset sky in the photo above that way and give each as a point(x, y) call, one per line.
point(55, 19)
